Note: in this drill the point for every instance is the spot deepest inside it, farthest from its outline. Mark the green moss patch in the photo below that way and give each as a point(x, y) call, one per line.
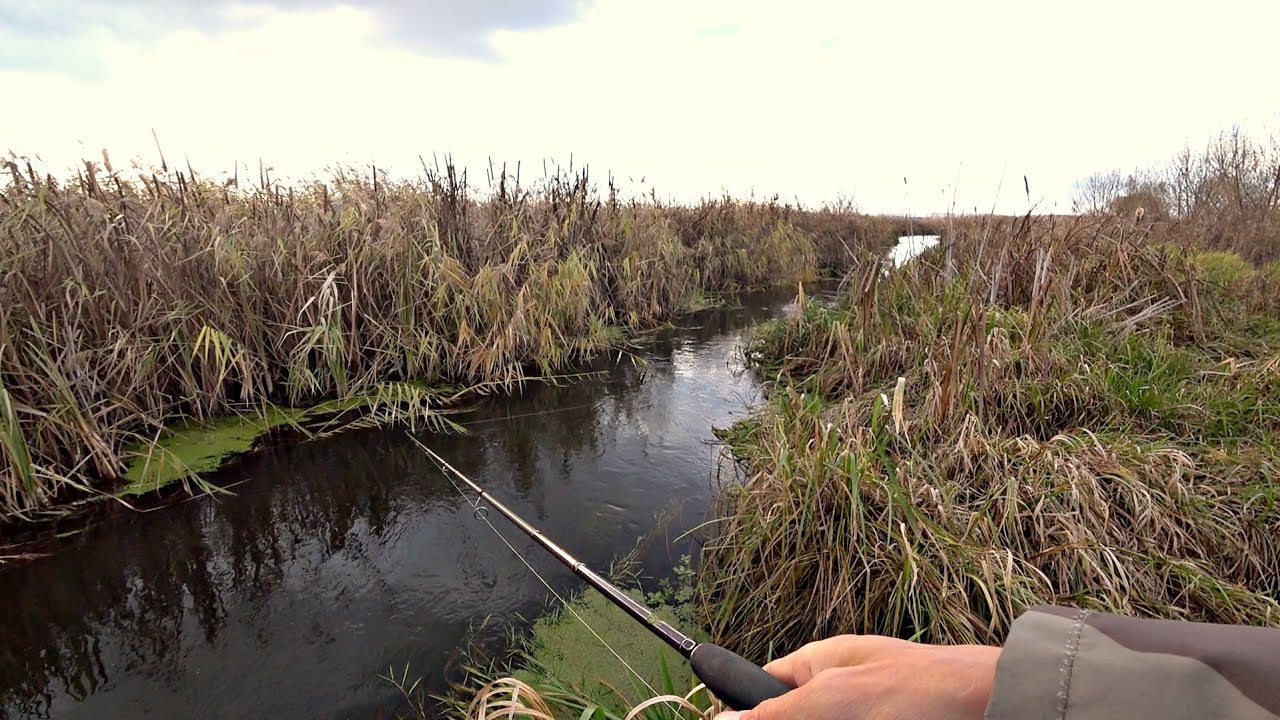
point(563, 655)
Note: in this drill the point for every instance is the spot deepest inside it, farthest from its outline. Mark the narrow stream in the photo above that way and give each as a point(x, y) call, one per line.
point(337, 559)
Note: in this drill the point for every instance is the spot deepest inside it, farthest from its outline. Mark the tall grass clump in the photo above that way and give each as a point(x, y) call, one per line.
point(130, 301)
point(1034, 411)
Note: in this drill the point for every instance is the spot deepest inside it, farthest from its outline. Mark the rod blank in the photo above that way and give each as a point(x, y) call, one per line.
point(738, 682)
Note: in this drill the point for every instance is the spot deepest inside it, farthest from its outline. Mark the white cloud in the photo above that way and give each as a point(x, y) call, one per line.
point(811, 100)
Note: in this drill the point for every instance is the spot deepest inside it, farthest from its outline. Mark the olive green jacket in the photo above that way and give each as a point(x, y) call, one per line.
point(1073, 664)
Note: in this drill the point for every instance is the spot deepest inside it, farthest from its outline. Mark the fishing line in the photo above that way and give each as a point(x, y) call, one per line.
point(738, 396)
point(737, 681)
point(552, 411)
point(518, 416)
point(480, 512)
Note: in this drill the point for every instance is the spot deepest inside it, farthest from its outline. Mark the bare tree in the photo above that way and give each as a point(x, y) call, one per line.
point(1144, 195)
point(1098, 192)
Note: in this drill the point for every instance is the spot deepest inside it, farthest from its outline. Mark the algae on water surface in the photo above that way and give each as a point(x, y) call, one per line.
point(195, 447)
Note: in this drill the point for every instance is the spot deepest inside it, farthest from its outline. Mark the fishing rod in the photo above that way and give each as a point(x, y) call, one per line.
point(738, 682)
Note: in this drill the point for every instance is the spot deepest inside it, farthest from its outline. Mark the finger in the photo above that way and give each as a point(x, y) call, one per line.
point(803, 702)
point(792, 669)
point(802, 665)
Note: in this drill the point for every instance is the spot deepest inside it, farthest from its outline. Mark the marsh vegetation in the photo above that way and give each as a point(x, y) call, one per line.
point(1081, 410)
point(132, 302)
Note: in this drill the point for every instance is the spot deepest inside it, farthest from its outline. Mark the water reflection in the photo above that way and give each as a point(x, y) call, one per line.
point(909, 246)
point(339, 558)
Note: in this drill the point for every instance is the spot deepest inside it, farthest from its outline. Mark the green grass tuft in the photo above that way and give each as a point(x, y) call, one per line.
point(563, 655)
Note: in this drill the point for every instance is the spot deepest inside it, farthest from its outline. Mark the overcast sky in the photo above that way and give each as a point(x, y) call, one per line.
point(811, 100)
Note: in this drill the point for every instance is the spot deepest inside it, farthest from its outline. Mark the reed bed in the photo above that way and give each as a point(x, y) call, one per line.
point(129, 302)
point(1068, 411)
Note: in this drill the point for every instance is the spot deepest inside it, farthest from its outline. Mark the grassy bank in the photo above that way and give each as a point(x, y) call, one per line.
point(1035, 411)
point(564, 665)
point(560, 666)
point(127, 306)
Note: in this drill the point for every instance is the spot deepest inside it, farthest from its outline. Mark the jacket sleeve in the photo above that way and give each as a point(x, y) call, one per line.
point(1070, 664)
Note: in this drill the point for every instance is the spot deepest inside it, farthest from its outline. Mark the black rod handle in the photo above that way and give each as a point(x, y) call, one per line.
point(738, 682)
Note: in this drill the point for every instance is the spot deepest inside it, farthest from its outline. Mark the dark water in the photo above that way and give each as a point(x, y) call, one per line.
point(338, 559)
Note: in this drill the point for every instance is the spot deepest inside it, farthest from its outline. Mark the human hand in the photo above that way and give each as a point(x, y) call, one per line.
point(869, 677)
